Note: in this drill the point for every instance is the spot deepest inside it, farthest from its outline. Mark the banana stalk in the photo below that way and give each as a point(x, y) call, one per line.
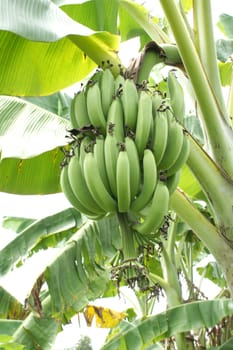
point(128, 245)
point(217, 186)
point(220, 135)
point(207, 233)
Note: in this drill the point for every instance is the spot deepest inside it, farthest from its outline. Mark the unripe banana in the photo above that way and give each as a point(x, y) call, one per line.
point(119, 82)
point(159, 142)
point(107, 87)
point(95, 78)
point(79, 187)
point(173, 181)
point(176, 95)
point(174, 144)
point(79, 115)
point(73, 115)
point(100, 158)
point(144, 122)
point(156, 211)
point(111, 151)
point(129, 99)
point(182, 157)
point(134, 164)
point(115, 120)
point(157, 99)
point(123, 182)
point(67, 190)
point(86, 145)
point(96, 185)
point(149, 182)
point(94, 107)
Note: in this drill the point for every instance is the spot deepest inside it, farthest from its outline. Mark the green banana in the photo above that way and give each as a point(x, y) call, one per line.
point(86, 145)
point(123, 182)
point(107, 87)
point(79, 187)
point(73, 114)
point(115, 119)
point(157, 99)
point(182, 157)
point(156, 211)
point(134, 164)
point(118, 84)
point(79, 115)
point(173, 181)
point(95, 78)
point(100, 158)
point(129, 99)
point(94, 107)
point(67, 190)
point(160, 135)
point(144, 122)
point(176, 94)
point(174, 144)
point(111, 151)
point(96, 185)
point(149, 182)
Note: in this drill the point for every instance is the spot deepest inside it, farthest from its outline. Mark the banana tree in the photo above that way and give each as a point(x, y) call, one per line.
point(48, 46)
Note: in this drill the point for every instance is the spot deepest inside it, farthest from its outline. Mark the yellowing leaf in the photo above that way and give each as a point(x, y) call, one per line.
point(104, 317)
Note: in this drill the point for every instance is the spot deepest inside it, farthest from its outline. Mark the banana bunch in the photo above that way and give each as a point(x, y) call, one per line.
point(127, 151)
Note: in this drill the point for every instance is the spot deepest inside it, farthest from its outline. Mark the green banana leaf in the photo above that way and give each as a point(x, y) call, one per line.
point(225, 69)
point(37, 332)
point(228, 345)
point(24, 241)
point(130, 29)
point(28, 130)
point(104, 14)
point(8, 327)
point(15, 223)
point(10, 308)
point(43, 50)
point(187, 5)
point(144, 23)
point(75, 277)
point(225, 24)
point(58, 103)
point(189, 184)
point(183, 318)
point(213, 272)
point(82, 262)
point(6, 343)
point(29, 142)
point(37, 175)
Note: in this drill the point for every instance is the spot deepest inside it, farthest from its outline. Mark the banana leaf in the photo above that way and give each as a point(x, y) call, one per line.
point(6, 343)
point(75, 277)
point(8, 327)
point(30, 141)
point(104, 14)
point(82, 262)
point(10, 308)
point(183, 318)
point(140, 23)
point(23, 242)
point(43, 50)
point(228, 345)
point(37, 332)
point(28, 130)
